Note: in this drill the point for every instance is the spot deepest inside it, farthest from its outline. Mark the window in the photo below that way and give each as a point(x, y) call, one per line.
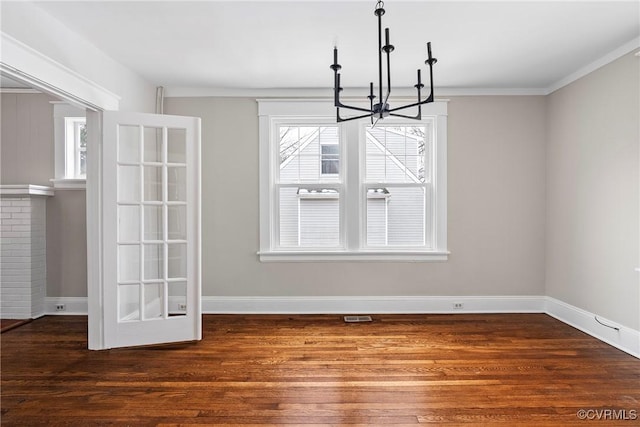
point(330, 158)
point(351, 191)
point(308, 185)
point(75, 147)
point(395, 159)
point(70, 141)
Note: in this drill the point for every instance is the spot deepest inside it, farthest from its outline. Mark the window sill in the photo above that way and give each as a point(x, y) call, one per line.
point(69, 183)
point(323, 256)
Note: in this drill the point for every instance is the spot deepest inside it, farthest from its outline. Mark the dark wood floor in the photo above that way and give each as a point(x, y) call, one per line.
point(521, 369)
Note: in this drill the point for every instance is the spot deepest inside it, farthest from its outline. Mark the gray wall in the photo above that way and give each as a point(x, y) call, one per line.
point(593, 184)
point(27, 139)
point(496, 208)
point(26, 157)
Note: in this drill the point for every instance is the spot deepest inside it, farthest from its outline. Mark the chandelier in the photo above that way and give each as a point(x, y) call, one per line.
point(381, 109)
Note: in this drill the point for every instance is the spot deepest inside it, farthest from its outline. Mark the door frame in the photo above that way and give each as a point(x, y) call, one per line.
point(26, 65)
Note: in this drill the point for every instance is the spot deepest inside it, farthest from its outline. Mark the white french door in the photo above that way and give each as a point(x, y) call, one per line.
point(150, 216)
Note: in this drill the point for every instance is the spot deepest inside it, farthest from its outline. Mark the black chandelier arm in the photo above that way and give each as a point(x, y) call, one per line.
point(416, 117)
point(341, 105)
point(415, 104)
point(340, 119)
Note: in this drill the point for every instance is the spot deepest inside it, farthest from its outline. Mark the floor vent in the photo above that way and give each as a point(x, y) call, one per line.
point(356, 319)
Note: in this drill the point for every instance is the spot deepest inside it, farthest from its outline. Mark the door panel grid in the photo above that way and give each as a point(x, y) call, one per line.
point(152, 223)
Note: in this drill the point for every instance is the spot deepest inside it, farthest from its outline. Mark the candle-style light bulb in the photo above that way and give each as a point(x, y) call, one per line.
point(335, 54)
point(429, 51)
point(371, 89)
point(419, 77)
point(386, 36)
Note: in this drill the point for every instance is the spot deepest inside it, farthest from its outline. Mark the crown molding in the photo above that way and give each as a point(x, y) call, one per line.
point(598, 63)
point(327, 93)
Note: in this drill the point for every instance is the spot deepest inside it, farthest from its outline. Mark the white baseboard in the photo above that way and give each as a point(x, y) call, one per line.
point(625, 338)
point(76, 306)
point(338, 305)
point(372, 305)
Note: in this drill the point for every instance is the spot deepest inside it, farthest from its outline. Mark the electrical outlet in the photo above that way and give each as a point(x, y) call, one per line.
point(458, 305)
point(60, 307)
point(182, 307)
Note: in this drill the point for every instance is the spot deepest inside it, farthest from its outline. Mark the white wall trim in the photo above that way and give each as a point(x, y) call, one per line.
point(598, 63)
point(27, 65)
point(625, 339)
point(327, 93)
point(76, 306)
point(25, 190)
point(371, 305)
point(18, 90)
point(69, 183)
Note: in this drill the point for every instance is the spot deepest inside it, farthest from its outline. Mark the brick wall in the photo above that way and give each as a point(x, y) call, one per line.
point(22, 256)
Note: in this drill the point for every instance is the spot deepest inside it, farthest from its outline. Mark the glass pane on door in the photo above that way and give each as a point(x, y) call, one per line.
point(153, 301)
point(177, 184)
point(177, 146)
point(128, 223)
point(153, 222)
point(128, 144)
point(177, 298)
point(128, 184)
point(128, 263)
point(128, 302)
point(152, 152)
point(153, 183)
point(177, 266)
point(177, 222)
point(153, 262)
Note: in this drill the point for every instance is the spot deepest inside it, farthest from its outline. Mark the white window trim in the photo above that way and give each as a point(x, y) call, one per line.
point(271, 112)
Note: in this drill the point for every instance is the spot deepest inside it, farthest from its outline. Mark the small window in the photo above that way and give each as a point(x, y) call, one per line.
point(330, 159)
point(75, 147)
point(70, 146)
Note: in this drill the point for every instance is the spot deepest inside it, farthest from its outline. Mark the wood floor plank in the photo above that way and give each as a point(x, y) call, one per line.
point(316, 370)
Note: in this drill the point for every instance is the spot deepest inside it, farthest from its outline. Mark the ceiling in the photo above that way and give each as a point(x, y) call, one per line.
point(288, 44)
